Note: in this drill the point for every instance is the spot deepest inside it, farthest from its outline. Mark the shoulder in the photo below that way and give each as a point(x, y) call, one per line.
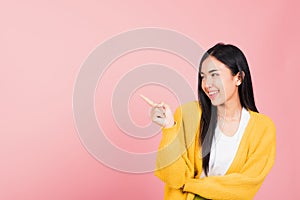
point(262, 120)
point(192, 105)
point(190, 108)
point(263, 126)
point(189, 112)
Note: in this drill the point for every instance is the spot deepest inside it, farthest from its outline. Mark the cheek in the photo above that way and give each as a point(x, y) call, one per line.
point(219, 83)
point(202, 85)
point(225, 85)
point(229, 88)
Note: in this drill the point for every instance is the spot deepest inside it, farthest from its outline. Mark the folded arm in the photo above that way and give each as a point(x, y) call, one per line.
point(242, 185)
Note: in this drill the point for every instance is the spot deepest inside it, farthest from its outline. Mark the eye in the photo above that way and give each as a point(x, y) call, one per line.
point(214, 74)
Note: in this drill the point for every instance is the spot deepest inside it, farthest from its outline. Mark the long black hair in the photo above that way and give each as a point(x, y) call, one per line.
point(236, 61)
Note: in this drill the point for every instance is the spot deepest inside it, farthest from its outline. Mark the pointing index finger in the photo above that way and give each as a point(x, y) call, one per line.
point(151, 103)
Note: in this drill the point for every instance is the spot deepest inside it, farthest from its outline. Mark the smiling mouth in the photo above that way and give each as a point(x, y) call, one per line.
point(213, 94)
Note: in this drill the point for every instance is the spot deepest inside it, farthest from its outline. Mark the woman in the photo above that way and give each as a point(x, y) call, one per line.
point(218, 147)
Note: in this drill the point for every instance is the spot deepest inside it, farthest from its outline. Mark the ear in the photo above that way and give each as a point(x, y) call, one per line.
point(239, 77)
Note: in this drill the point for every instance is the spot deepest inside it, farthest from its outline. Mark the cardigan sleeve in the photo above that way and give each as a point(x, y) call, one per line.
point(172, 163)
point(245, 184)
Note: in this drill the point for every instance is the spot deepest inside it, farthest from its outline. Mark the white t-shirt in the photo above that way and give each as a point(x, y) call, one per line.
point(224, 148)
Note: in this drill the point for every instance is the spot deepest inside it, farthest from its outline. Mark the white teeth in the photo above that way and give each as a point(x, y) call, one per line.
point(213, 92)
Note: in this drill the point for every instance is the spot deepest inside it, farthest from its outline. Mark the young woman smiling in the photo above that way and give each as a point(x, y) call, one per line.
point(218, 147)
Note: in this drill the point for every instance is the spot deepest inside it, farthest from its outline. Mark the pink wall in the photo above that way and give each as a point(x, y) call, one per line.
point(42, 47)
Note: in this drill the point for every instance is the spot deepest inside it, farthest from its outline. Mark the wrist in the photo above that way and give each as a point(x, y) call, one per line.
point(171, 124)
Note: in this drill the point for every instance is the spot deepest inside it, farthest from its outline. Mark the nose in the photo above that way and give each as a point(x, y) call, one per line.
point(207, 82)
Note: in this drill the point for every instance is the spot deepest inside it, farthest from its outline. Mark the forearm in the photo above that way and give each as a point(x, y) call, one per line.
point(234, 187)
point(172, 164)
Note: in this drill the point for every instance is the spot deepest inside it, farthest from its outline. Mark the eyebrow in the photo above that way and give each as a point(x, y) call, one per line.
point(211, 71)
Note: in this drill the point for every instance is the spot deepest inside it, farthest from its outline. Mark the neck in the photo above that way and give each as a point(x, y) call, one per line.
point(230, 110)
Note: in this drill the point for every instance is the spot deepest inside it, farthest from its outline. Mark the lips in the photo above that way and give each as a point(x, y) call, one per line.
point(213, 93)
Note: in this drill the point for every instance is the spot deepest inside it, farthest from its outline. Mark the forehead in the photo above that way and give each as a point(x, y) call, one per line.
point(211, 63)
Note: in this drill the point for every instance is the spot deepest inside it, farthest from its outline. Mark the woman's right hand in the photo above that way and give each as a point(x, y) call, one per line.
point(161, 113)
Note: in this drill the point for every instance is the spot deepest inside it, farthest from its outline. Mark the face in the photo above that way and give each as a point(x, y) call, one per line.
point(218, 83)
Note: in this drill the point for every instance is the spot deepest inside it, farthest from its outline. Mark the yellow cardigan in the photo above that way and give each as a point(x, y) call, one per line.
point(179, 162)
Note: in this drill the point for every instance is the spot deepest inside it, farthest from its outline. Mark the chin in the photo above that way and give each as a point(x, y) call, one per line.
point(217, 103)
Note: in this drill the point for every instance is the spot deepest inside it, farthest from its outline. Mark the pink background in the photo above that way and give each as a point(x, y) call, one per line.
point(44, 43)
